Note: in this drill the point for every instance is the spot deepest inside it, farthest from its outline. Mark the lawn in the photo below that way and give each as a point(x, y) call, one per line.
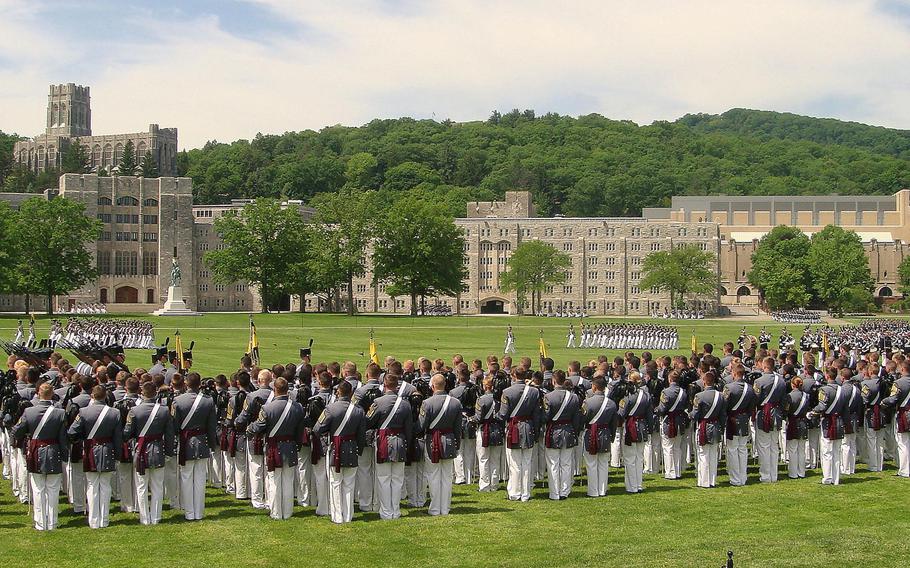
point(673, 523)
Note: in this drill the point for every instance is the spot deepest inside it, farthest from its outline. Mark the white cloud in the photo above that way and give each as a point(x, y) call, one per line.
point(354, 61)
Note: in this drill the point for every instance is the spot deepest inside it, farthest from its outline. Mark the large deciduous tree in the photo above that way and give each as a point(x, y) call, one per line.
point(779, 268)
point(839, 270)
point(419, 251)
point(51, 238)
point(682, 271)
point(8, 250)
point(262, 243)
point(533, 266)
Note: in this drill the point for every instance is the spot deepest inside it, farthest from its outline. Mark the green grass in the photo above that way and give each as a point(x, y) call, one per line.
point(791, 523)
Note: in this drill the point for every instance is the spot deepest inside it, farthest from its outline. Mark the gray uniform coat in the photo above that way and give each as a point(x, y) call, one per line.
point(282, 447)
point(872, 399)
point(832, 402)
point(100, 453)
point(522, 428)
point(489, 424)
point(443, 439)
point(46, 451)
point(197, 437)
point(391, 443)
point(344, 445)
point(562, 428)
point(159, 439)
point(672, 410)
point(636, 410)
point(772, 388)
point(900, 393)
point(709, 412)
point(599, 430)
point(741, 400)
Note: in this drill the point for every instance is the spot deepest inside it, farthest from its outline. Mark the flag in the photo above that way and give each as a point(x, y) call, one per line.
point(824, 346)
point(253, 346)
point(178, 346)
point(374, 357)
point(542, 347)
point(694, 342)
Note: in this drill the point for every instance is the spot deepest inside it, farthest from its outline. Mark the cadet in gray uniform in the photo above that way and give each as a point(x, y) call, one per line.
point(45, 428)
point(672, 413)
point(150, 433)
point(282, 423)
point(466, 393)
point(562, 417)
point(255, 444)
point(708, 414)
point(741, 400)
point(831, 406)
point(75, 474)
point(490, 437)
point(319, 444)
point(345, 423)
point(440, 426)
point(98, 428)
point(364, 396)
point(519, 408)
point(390, 417)
point(875, 419)
point(195, 422)
point(635, 409)
point(600, 427)
point(852, 422)
point(235, 455)
point(771, 394)
point(899, 400)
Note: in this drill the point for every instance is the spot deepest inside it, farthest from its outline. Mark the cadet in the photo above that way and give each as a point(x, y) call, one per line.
point(563, 420)
point(490, 437)
point(150, 430)
point(282, 423)
point(345, 422)
point(600, 425)
point(440, 426)
point(852, 420)
point(45, 427)
point(390, 417)
point(900, 401)
point(831, 405)
point(319, 444)
point(797, 429)
point(771, 395)
point(235, 455)
point(255, 444)
point(519, 408)
point(364, 397)
point(875, 419)
point(125, 470)
point(740, 401)
point(194, 420)
point(466, 393)
point(672, 413)
point(709, 414)
point(635, 410)
point(75, 473)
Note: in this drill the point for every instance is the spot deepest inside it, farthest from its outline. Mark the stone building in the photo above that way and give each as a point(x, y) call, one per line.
point(69, 118)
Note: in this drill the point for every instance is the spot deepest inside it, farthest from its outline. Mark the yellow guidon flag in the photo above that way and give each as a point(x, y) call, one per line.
point(178, 346)
point(253, 346)
point(542, 347)
point(694, 342)
point(374, 357)
point(825, 344)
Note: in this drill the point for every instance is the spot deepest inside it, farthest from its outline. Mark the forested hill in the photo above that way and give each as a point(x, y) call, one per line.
point(767, 125)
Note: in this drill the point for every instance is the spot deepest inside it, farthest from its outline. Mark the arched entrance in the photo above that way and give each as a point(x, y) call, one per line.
point(103, 297)
point(744, 291)
point(493, 306)
point(885, 292)
point(126, 295)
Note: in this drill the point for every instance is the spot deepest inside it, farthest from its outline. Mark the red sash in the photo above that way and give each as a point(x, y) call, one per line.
point(185, 436)
point(703, 430)
point(273, 452)
point(632, 436)
point(382, 443)
point(31, 456)
point(876, 417)
point(903, 425)
point(258, 445)
point(305, 437)
point(142, 458)
point(593, 431)
point(436, 443)
point(513, 429)
point(336, 450)
point(88, 459)
point(548, 436)
point(224, 439)
point(832, 426)
point(231, 448)
point(767, 420)
point(672, 429)
point(316, 451)
point(485, 434)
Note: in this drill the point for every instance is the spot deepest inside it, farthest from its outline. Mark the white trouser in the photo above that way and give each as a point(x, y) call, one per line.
point(489, 459)
point(539, 467)
point(598, 467)
point(903, 453)
point(652, 454)
point(230, 483)
point(874, 455)
point(281, 492)
point(439, 479)
point(256, 469)
point(416, 482)
point(216, 469)
point(20, 475)
point(241, 476)
point(706, 464)
point(633, 457)
point(365, 464)
point(889, 442)
point(673, 455)
point(768, 454)
point(321, 487)
point(848, 455)
point(503, 464)
point(127, 489)
point(812, 448)
point(341, 489)
point(616, 448)
point(75, 485)
point(305, 495)
point(796, 464)
point(830, 457)
point(192, 488)
point(737, 459)
point(45, 499)
point(98, 494)
point(172, 482)
point(578, 456)
point(464, 461)
point(559, 469)
point(389, 483)
point(520, 480)
point(150, 495)
point(5, 448)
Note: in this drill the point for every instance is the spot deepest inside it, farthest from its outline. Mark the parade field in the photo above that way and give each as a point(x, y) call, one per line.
point(673, 523)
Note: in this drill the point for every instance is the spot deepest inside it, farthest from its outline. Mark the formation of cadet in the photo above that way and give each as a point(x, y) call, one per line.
point(330, 437)
point(131, 334)
point(624, 336)
point(677, 313)
point(799, 316)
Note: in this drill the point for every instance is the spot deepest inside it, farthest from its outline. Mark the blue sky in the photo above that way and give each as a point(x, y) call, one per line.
point(227, 69)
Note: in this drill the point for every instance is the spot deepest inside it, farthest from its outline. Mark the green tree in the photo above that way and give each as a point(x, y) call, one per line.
point(779, 268)
point(260, 242)
point(533, 266)
point(360, 171)
point(128, 162)
point(408, 175)
point(147, 167)
point(418, 251)
point(75, 158)
point(903, 273)
point(839, 270)
point(681, 271)
point(8, 250)
point(51, 238)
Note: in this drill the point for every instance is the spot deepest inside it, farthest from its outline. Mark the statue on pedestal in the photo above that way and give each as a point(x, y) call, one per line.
point(175, 273)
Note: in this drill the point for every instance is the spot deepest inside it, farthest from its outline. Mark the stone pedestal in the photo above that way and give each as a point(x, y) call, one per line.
point(175, 306)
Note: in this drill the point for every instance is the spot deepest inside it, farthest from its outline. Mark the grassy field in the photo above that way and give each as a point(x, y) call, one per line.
point(673, 523)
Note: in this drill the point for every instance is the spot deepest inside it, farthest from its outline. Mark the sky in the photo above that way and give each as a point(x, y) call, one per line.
point(228, 69)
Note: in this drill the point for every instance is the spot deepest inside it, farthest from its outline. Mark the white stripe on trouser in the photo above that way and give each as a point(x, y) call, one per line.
point(75, 477)
point(737, 459)
point(673, 454)
point(848, 455)
point(465, 460)
point(559, 468)
point(903, 454)
point(830, 457)
point(706, 464)
point(520, 480)
point(489, 459)
point(45, 499)
point(241, 476)
point(192, 488)
point(389, 484)
point(439, 480)
point(150, 495)
point(598, 468)
point(305, 493)
point(256, 469)
point(341, 490)
point(874, 451)
point(415, 480)
point(321, 488)
point(366, 461)
point(796, 458)
point(633, 458)
point(98, 493)
point(127, 489)
point(767, 444)
point(280, 484)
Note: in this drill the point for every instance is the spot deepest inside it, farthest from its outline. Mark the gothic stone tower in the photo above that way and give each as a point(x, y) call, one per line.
point(69, 111)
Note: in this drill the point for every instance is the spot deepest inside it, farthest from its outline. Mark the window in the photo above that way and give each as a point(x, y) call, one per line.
point(549, 290)
point(203, 287)
point(681, 232)
point(361, 288)
point(655, 247)
point(150, 264)
point(104, 217)
point(124, 236)
point(592, 275)
point(592, 289)
point(467, 247)
point(524, 233)
point(610, 290)
point(633, 305)
point(219, 287)
point(150, 237)
point(610, 275)
point(636, 231)
point(125, 218)
point(150, 202)
point(503, 232)
point(105, 235)
point(567, 232)
point(240, 288)
point(127, 200)
point(592, 232)
point(636, 246)
point(655, 231)
point(150, 219)
point(126, 263)
point(203, 246)
point(610, 232)
point(104, 262)
point(467, 232)
point(104, 201)
point(610, 247)
point(567, 247)
point(592, 261)
point(548, 232)
point(610, 261)
point(566, 289)
point(203, 274)
point(592, 247)
point(636, 276)
point(636, 260)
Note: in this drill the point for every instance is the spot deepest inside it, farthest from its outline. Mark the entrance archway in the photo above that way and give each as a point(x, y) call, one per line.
point(126, 295)
point(493, 306)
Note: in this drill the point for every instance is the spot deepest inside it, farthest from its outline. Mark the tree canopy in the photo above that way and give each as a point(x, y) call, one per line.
point(779, 268)
point(681, 271)
point(533, 266)
point(839, 270)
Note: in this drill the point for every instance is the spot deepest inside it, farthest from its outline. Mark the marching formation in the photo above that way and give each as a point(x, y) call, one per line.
point(336, 439)
point(130, 334)
point(623, 336)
